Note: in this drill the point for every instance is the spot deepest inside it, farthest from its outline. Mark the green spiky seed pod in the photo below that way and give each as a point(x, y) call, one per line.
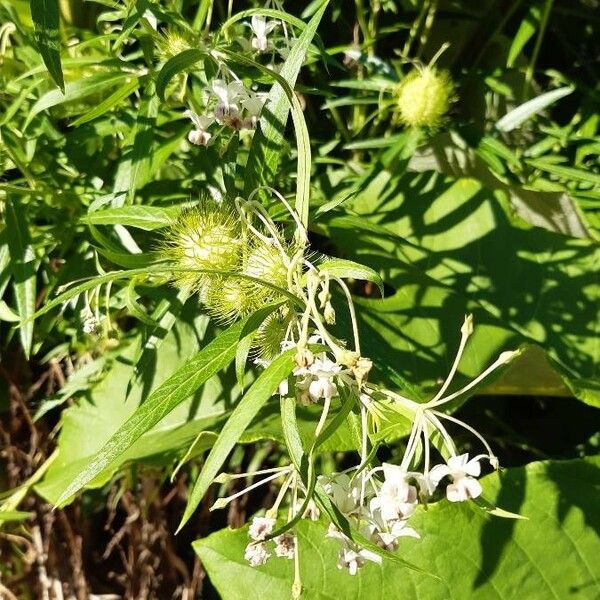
point(425, 96)
point(229, 298)
point(271, 333)
point(207, 237)
point(266, 263)
point(172, 43)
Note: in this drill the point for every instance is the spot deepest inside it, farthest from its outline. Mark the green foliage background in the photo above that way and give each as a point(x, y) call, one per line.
point(494, 213)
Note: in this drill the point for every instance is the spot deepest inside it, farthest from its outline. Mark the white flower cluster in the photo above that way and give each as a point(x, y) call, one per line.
point(380, 510)
point(235, 106)
point(257, 551)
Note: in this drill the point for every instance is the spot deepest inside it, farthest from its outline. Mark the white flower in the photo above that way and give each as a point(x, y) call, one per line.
point(199, 136)
point(322, 372)
point(463, 471)
point(261, 28)
point(261, 527)
point(343, 491)
point(228, 94)
point(285, 545)
point(397, 499)
point(256, 554)
point(253, 103)
point(90, 324)
point(353, 559)
point(386, 535)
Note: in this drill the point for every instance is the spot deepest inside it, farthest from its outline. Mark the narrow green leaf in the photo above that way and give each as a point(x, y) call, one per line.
point(269, 13)
point(565, 172)
point(181, 385)
point(45, 16)
point(11, 516)
point(76, 91)
point(528, 27)
point(248, 407)
point(165, 315)
point(23, 268)
point(264, 155)
point(182, 61)
point(113, 100)
point(140, 171)
point(7, 313)
point(147, 218)
point(348, 402)
point(339, 267)
point(291, 433)
point(519, 115)
point(246, 340)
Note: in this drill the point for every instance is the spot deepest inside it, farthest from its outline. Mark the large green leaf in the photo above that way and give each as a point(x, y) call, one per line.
point(549, 555)
point(104, 405)
point(454, 243)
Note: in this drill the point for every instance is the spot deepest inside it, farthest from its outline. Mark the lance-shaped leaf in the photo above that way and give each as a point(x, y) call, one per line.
point(248, 407)
point(45, 16)
point(181, 385)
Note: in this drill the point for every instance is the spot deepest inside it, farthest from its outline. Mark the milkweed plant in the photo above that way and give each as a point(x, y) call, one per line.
point(243, 243)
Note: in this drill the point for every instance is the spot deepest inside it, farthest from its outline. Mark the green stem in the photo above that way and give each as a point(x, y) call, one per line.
point(536, 49)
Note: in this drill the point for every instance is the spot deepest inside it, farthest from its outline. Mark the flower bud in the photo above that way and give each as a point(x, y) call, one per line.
point(199, 137)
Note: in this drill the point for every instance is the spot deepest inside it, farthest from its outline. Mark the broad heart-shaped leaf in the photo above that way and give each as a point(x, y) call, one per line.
point(454, 242)
point(247, 408)
point(45, 16)
point(552, 554)
point(178, 387)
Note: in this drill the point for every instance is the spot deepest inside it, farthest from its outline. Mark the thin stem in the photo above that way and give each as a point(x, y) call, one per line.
point(498, 362)
point(538, 45)
point(427, 27)
point(281, 495)
point(442, 430)
point(466, 331)
point(352, 313)
point(324, 414)
point(224, 501)
point(411, 446)
point(467, 427)
point(364, 453)
point(415, 28)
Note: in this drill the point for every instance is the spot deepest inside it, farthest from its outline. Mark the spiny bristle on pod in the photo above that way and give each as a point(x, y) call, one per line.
point(229, 298)
point(172, 43)
point(424, 97)
point(265, 262)
point(270, 335)
point(207, 237)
